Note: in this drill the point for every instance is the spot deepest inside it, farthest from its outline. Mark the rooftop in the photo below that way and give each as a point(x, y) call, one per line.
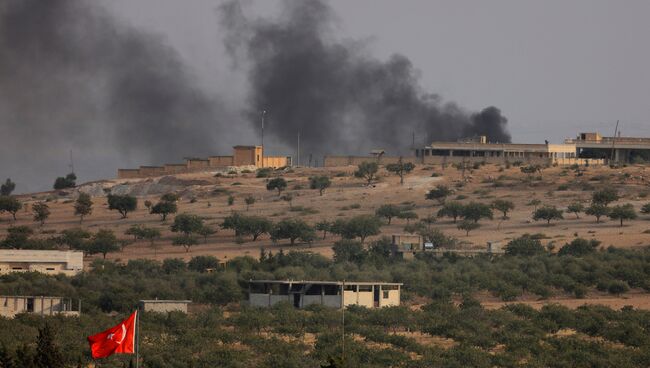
point(286, 282)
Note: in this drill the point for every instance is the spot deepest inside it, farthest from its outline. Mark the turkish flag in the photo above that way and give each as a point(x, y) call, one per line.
point(119, 339)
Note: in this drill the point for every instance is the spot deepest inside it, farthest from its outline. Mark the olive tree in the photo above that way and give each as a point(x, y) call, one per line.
point(576, 208)
point(122, 203)
point(452, 210)
point(320, 183)
point(475, 211)
point(467, 226)
point(7, 187)
point(83, 206)
point(503, 206)
point(388, 211)
point(401, 168)
point(548, 213)
point(367, 170)
point(10, 204)
point(622, 213)
point(278, 184)
point(164, 208)
point(439, 193)
point(41, 212)
point(597, 210)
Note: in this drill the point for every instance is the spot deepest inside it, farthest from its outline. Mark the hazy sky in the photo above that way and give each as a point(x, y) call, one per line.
point(553, 67)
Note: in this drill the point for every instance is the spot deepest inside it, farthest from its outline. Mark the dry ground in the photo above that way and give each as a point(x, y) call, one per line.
point(350, 196)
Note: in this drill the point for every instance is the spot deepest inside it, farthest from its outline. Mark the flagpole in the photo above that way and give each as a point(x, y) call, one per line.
point(137, 339)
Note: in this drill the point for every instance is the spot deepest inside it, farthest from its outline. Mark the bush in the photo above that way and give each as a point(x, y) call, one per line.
point(203, 263)
point(524, 246)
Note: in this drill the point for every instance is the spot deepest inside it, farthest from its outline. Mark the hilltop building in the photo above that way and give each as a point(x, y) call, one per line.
point(242, 156)
point(266, 293)
point(50, 262)
point(586, 148)
point(10, 306)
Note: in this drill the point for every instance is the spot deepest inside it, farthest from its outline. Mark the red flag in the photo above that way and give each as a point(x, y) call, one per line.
point(118, 339)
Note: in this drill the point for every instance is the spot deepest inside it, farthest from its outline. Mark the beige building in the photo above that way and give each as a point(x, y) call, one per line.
point(242, 156)
point(51, 262)
point(618, 149)
point(10, 306)
point(164, 306)
point(266, 293)
point(406, 245)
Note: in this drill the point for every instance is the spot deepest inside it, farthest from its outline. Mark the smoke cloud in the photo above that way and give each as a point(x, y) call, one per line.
point(73, 77)
point(334, 94)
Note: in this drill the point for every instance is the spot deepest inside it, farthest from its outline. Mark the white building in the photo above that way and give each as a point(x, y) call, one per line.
point(10, 306)
point(50, 262)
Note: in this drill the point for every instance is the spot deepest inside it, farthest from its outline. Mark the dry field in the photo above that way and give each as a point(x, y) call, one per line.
point(350, 196)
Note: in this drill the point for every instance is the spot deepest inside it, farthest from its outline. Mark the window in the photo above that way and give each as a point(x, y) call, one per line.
point(385, 294)
point(365, 288)
point(50, 269)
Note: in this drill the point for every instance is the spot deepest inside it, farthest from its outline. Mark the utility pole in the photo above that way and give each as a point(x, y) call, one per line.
point(298, 154)
point(614, 142)
point(263, 115)
point(71, 163)
point(343, 323)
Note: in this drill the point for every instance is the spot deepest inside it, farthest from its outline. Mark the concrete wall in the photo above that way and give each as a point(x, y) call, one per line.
point(164, 306)
point(175, 168)
point(10, 306)
point(197, 164)
point(220, 161)
point(392, 300)
point(152, 170)
point(128, 173)
point(46, 261)
point(275, 161)
point(248, 155)
point(334, 161)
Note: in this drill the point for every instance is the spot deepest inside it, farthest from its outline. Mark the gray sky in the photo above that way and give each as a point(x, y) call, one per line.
point(553, 67)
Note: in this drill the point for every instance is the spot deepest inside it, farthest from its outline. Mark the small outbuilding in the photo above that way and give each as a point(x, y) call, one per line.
point(10, 306)
point(266, 293)
point(164, 306)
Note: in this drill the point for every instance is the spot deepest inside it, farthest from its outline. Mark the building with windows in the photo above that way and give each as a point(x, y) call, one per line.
point(50, 262)
point(335, 294)
point(10, 306)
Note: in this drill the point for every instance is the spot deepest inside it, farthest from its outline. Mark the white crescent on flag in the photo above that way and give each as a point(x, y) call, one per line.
point(123, 334)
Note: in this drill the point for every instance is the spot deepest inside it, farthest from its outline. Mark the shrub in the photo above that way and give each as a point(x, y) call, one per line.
point(579, 247)
point(548, 213)
point(524, 246)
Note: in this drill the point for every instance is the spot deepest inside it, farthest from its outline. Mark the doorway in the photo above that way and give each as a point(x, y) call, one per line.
point(296, 300)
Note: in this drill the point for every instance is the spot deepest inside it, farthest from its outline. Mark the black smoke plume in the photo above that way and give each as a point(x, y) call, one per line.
point(339, 98)
point(73, 77)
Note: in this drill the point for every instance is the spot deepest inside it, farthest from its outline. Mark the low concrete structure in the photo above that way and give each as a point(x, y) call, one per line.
point(617, 149)
point(50, 262)
point(164, 306)
point(406, 245)
point(335, 294)
point(10, 306)
point(242, 156)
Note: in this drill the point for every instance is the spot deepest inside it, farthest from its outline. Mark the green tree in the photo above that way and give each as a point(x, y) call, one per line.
point(323, 226)
point(41, 212)
point(579, 247)
point(17, 237)
point(186, 241)
point(320, 183)
point(278, 184)
point(6, 360)
point(292, 229)
point(388, 211)
point(122, 203)
point(74, 238)
point(475, 211)
point(103, 242)
point(534, 203)
point(234, 222)
point(576, 208)
point(231, 200)
point(605, 196)
point(164, 209)
point(151, 234)
point(254, 226)
point(206, 231)
point(503, 206)
point(288, 197)
point(170, 197)
point(83, 206)
point(451, 209)
point(408, 216)
point(400, 168)
point(467, 226)
point(367, 170)
point(10, 204)
point(7, 188)
point(597, 210)
point(249, 200)
point(361, 226)
point(187, 224)
point(347, 250)
point(524, 246)
point(548, 213)
point(622, 213)
point(48, 354)
point(135, 230)
point(439, 193)
point(69, 181)
point(203, 263)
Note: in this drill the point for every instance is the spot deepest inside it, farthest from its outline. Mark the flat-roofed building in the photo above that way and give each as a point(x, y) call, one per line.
point(618, 149)
point(10, 306)
point(50, 262)
point(406, 245)
point(164, 306)
point(335, 294)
